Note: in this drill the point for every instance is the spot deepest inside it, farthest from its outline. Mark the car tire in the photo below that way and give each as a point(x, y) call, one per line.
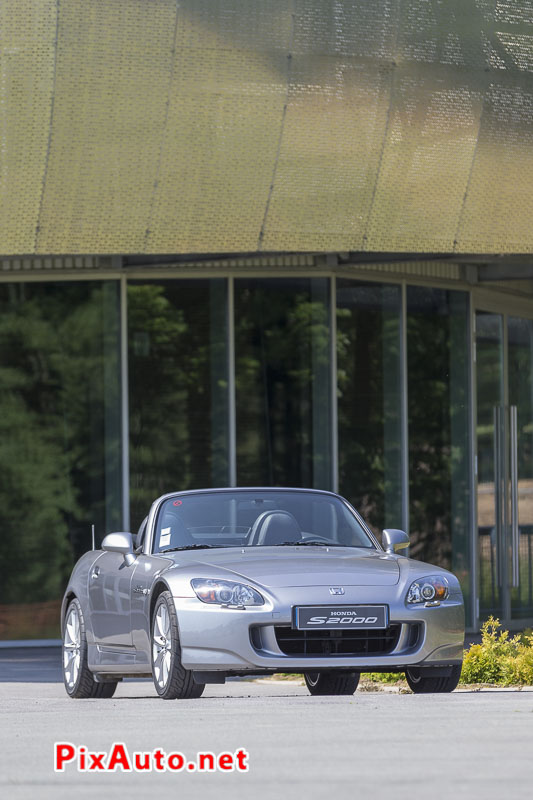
point(324, 683)
point(171, 680)
point(420, 683)
point(78, 679)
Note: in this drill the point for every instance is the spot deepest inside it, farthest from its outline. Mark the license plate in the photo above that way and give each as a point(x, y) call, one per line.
point(310, 618)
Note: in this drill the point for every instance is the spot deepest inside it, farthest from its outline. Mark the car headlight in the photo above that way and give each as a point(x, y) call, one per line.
point(226, 593)
point(427, 590)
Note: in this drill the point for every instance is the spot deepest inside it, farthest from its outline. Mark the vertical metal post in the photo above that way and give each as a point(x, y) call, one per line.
point(125, 428)
point(404, 411)
point(515, 531)
point(474, 535)
point(499, 483)
point(505, 446)
point(333, 385)
point(232, 412)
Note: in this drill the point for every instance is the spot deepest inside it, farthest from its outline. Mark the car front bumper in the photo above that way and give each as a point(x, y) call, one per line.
point(215, 638)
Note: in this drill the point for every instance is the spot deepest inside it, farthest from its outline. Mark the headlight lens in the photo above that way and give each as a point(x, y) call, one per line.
point(226, 593)
point(426, 590)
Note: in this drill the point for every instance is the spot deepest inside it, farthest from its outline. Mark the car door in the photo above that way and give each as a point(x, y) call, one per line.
point(149, 567)
point(110, 582)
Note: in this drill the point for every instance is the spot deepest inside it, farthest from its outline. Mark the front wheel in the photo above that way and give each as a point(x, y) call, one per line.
point(171, 680)
point(421, 683)
point(77, 677)
point(324, 683)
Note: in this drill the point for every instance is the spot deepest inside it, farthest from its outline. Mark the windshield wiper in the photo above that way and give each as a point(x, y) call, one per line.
point(309, 544)
point(194, 547)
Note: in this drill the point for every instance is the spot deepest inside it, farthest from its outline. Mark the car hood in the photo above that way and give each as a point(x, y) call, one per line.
point(277, 567)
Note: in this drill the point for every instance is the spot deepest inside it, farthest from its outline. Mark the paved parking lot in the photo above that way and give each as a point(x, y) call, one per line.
point(369, 746)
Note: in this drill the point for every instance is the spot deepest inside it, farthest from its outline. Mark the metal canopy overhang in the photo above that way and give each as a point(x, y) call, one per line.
point(266, 126)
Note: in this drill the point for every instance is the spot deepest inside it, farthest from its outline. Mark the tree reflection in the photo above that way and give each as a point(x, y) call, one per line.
point(439, 475)
point(282, 346)
point(60, 452)
point(178, 389)
point(369, 404)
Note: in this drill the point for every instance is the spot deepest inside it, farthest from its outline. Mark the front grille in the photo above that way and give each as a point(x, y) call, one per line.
point(337, 643)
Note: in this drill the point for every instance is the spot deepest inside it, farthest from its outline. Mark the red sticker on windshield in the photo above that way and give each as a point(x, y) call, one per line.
point(177, 503)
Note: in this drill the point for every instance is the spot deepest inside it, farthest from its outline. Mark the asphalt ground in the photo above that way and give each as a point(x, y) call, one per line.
point(469, 744)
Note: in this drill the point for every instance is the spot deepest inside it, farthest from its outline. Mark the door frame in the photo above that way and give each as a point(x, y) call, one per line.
point(485, 300)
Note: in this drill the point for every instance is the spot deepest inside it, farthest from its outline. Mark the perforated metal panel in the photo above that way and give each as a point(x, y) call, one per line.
point(27, 50)
point(111, 86)
point(218, 146)
point(156, 126)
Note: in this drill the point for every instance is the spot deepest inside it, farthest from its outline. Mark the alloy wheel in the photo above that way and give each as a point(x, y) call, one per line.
point(72, 648)
point(162, 646)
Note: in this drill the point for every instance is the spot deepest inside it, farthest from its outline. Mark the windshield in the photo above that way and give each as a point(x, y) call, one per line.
point(248, 518)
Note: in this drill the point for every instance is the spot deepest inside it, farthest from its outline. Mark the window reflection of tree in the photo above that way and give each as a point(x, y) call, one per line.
point(178, 388)
point(60, 446)
point(369, 400)
point(282, 342)
point(439, 476)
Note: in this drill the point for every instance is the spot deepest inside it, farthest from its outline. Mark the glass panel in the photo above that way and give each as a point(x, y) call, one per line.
point(178, 388)
point(245, 518)
point(282, 355)
point(520, 344)
point(439, 448)
point(369, 400)
point(490, 394)
point(60, 457)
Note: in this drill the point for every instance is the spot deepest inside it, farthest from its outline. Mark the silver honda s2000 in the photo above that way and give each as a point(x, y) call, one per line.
point(223, 582)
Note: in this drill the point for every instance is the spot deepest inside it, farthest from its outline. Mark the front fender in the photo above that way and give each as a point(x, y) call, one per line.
point(78, 586)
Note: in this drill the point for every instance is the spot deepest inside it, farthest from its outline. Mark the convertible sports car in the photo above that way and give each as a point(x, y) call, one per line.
point(222, 582)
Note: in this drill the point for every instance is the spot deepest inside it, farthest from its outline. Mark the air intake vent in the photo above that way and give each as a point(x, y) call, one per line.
point(337, 643)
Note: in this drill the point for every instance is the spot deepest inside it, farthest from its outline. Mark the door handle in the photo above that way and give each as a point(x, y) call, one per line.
point(96, 572)
point(499, 483)
point(515, 531)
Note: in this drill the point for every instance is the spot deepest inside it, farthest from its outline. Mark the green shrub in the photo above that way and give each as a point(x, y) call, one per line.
point(500, 658)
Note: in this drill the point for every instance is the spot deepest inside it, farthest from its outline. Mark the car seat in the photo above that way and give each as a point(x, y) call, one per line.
point(275, 527)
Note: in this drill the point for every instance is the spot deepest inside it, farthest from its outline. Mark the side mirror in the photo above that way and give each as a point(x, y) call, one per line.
point(395, 540)
point(120, 543)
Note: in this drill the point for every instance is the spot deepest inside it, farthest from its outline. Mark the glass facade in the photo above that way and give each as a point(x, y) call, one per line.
point(60, 442)
point(438, 375)
point(178, 388)
point(282, 382)
point(505, 465)
point(520, 344)
point(490, 397)
point(325, 382)
point(369, 400)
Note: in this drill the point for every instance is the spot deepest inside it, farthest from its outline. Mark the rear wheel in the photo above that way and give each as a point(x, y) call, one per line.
point(420, 682)
point(331, 682)
point(171, 680)
point(78, 678)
